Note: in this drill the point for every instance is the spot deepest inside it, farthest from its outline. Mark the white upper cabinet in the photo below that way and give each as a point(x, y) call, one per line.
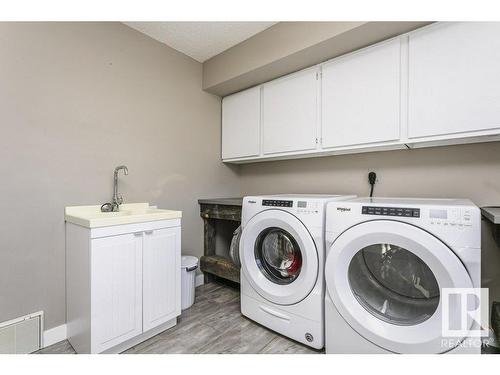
point(361, 97)
point(438, 85)
point(241, 124)
point(454, 79)
point(290, 113)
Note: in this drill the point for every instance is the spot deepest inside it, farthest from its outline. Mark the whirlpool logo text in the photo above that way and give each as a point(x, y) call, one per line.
point(343, 209)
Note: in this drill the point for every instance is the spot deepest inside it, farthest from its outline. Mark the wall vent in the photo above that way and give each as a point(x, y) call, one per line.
point(22, 335)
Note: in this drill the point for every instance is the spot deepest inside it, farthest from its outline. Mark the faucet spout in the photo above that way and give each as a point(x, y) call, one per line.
point(124, 167)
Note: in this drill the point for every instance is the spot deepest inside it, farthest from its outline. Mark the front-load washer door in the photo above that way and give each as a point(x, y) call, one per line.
point(278, 257)
point(385, 279)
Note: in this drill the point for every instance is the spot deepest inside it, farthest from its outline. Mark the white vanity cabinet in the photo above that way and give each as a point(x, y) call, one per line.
point(123, 283)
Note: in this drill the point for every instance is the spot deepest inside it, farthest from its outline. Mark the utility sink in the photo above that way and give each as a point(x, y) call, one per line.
point(92, 217)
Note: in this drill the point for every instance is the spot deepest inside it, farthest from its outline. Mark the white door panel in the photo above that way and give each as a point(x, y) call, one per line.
point(116, 290)
point(361, 97)
point(290, 113)
point(161, 275)
point(241, 124)
point(454, 81)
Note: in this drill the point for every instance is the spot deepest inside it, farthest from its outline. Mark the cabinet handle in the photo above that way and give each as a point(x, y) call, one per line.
point(138, 234)
point(148, 232)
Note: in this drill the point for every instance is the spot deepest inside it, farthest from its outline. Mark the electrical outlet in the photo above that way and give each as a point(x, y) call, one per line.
point(377, 179)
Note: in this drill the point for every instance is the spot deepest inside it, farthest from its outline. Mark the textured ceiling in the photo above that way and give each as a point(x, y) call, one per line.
point(200, 40)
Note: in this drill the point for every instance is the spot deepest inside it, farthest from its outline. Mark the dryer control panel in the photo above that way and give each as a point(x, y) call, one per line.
point(455, 216)
point(391, 211)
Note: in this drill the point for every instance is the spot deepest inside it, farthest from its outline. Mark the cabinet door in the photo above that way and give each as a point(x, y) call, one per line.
point(290, 113)
point(161, 276)
point(116, 285)
point(454, 80)
point(361, 97)
point(241, 124)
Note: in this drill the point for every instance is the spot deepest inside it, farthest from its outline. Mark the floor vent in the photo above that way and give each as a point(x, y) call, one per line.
point(22, 335)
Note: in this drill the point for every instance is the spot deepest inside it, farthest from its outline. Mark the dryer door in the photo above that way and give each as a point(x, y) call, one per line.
point(385, 279)
point(278, 257)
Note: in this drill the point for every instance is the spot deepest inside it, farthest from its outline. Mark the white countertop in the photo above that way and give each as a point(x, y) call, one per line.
point(492, 213)
point(92, 217)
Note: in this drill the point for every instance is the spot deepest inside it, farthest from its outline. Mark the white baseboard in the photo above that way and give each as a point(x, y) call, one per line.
point(199, 280)
point(54, 335)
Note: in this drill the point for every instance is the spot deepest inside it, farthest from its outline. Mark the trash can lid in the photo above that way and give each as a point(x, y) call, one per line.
point(188, 261)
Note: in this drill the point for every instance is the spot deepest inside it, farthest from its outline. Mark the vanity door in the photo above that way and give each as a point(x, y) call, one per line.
point(161, 276)
point(116, 302)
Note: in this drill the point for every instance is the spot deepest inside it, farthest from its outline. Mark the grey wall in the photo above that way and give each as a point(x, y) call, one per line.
point(465, 171)
point(77, 99)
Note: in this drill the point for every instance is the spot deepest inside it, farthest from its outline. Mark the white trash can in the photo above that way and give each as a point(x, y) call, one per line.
point(189, 265)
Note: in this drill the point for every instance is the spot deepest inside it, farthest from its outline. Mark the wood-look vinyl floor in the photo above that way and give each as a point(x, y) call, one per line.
point(213, 324)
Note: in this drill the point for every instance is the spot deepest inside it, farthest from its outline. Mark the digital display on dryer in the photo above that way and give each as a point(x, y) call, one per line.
point(438, 214)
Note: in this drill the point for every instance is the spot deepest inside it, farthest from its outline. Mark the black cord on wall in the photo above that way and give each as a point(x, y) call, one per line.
point(372, 178)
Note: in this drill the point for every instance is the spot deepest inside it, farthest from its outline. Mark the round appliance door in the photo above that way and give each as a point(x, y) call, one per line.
point(278, 257)
point(385, 279)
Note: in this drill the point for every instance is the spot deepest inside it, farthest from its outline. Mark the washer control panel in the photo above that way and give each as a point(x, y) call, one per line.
point(391, 211)
point(299, 208)
point(277, 203)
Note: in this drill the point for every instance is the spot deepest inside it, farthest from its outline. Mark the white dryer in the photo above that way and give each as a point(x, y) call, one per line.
point(282, 252)
point(388, 261)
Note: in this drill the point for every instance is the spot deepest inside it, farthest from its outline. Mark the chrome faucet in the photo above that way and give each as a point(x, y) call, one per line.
point(117, 197)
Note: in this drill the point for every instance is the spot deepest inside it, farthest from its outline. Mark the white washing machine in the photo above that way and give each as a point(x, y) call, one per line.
point(282, 252)
point(388, 261)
